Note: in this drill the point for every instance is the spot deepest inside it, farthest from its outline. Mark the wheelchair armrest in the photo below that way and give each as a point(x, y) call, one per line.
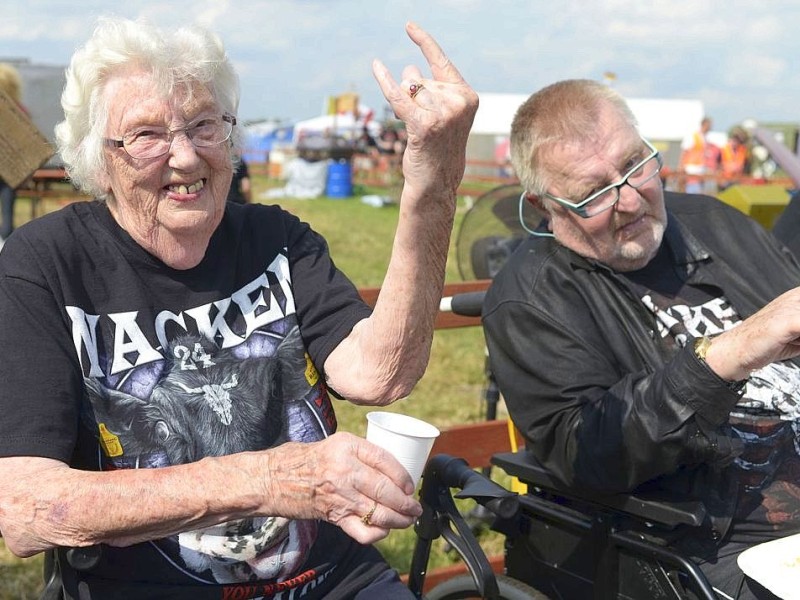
point(645, 506)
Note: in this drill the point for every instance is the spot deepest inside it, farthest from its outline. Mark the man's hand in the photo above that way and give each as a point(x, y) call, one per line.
point(772, 334)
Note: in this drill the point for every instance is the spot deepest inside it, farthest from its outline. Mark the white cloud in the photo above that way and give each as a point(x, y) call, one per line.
point(732, 54)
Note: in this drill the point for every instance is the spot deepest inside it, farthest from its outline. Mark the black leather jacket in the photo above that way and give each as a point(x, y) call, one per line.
point(603, 404)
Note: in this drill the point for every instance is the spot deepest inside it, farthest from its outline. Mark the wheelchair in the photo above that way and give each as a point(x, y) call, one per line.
point(567, 546)
point(600, 548)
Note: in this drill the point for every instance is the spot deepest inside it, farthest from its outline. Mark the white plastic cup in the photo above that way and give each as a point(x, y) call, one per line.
point(408, 439)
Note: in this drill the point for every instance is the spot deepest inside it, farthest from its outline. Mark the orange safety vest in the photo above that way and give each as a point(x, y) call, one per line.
point(699, 158)
point(695, 155)
point(733, 159)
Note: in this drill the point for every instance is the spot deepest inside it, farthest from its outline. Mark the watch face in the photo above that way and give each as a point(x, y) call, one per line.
point(701, 346)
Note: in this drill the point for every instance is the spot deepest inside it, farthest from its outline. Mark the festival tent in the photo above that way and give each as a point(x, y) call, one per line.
point(328, 125)
point(262, 138)
point(665, 122)
point(343, 125)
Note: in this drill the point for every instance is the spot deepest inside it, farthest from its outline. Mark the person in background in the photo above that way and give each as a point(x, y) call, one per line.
point(734, 158)
point(638, 339)
point(11, 85)
point(305, 174)
point(366, 144)
point(389, 142)
point(391, 146)
point(241, 191)
point(699, 159)
point(167, 356)
point(366, 155)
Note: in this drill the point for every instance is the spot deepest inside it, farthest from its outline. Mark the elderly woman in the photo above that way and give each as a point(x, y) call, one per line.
point(166, 358)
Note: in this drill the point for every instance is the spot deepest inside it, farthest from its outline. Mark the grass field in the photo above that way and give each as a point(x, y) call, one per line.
point(360, 238)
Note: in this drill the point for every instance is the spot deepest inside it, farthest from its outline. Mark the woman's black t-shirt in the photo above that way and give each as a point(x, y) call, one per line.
point(113, 360)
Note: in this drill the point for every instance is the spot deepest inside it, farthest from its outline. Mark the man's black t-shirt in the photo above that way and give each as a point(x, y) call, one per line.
point(113, 360)
point(766, 418)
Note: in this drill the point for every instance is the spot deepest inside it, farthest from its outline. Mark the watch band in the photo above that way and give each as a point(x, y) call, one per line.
point(701, 346)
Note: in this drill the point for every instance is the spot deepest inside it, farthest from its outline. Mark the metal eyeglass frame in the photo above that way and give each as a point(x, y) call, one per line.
point(523, 198)
point(114, 143)
point(579, 207)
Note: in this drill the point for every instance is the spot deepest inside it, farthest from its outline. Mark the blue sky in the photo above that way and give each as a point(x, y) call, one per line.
point(733, 55)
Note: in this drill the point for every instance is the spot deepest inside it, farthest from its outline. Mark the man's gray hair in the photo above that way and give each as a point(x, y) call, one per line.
point(564, 112)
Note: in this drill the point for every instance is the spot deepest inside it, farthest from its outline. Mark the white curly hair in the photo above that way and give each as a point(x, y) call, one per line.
point(175, 59)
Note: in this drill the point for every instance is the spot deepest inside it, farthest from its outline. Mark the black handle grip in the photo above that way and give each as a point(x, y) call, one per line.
point(456, 473)
point(468, 304)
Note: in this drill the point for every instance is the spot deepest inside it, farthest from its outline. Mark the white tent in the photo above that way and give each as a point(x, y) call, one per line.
point(663, 121)
point(343, 125)
point(667, 120)
point(659, 119)
point(495, 113)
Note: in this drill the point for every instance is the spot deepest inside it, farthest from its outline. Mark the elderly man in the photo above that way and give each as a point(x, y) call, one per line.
point(647, 338)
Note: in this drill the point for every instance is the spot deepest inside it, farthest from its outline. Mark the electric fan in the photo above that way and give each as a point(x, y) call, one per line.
point(491, 230)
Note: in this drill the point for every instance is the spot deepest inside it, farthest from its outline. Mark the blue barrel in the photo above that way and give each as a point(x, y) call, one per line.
point(340, 179)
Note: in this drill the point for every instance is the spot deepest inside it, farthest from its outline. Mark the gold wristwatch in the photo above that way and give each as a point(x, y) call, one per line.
point(701, 346)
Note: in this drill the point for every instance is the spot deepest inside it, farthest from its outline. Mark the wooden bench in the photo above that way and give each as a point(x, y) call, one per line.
point(476, 443)
point(49, 184)
point(444, 320)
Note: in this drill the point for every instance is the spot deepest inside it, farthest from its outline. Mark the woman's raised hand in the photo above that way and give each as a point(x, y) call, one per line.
point(438, 112)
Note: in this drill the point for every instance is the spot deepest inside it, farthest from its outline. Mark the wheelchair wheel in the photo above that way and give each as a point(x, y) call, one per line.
point(463, 587)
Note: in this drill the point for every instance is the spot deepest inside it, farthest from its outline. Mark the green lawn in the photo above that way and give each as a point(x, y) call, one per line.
point(360, 238)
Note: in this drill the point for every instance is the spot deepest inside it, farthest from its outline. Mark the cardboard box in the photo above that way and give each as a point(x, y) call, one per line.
point(23, 148)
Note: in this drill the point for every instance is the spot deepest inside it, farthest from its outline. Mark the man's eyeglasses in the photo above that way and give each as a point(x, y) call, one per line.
point(152, 142)
point(604, 199)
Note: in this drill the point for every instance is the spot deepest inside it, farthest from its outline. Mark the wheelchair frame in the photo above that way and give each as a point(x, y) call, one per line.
point(604, 548)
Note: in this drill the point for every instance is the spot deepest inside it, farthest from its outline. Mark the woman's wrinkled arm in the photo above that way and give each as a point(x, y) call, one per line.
point(386, 354)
